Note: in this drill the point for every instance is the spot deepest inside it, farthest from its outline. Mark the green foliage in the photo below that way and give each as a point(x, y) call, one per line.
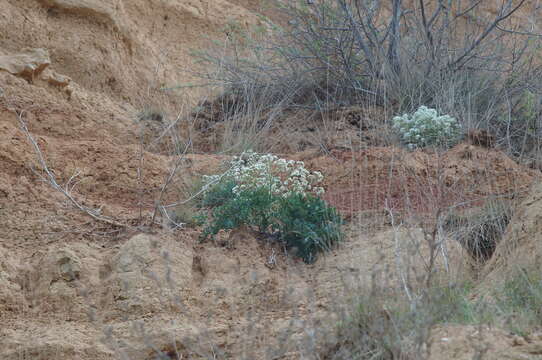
point(521, 299)
point(386, 325)
point(219, 194)
point(276, 197)
point(304, 223)
point(426, 128)
point(307, 224)
point(521, 125)
point(251, 207)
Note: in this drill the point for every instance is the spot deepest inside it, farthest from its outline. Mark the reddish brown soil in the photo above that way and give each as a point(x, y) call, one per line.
point(420, 181)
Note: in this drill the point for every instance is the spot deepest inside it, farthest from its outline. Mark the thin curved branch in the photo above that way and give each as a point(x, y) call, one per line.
point(51, 179)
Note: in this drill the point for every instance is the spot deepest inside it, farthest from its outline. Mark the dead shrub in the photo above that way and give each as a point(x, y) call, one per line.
point(480, 69)
point(479, 230)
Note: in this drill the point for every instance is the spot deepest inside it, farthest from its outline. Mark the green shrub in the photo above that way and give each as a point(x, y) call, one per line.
point(521, 127)
point(250, 207)
point(276, 197)
point(331, 54)
point(219, 194)
point(307, 224)
point(520, 299)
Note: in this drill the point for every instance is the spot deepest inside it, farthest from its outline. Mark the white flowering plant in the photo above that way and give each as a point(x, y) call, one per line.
point(282, 177)
point(426, 128)
point(279, 197)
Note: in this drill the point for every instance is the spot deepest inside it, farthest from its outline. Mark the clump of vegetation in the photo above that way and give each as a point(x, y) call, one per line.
point(519, 129)
point(183, 215)
point(426, 128)
point(474, 65)
point(520, 300)
point(383, 324)
point(307, 224)
point(151, 114)
point(277, 197)
point(392, 327)
point(387, 325)
point(480, 231)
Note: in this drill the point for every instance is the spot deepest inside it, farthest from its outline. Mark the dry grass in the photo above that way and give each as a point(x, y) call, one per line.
point(481, 70)
point(479, 230)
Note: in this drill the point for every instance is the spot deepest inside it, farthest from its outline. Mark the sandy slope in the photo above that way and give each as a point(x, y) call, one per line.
point(74, 288)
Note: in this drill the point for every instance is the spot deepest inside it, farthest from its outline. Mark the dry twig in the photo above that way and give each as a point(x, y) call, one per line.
point(50, 179)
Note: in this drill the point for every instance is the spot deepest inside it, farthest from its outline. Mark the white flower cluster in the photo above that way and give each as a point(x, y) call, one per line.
point(283, 177)
point(425, 128)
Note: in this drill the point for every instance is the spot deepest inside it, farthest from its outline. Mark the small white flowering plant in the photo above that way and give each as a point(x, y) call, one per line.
point(426, 128)
point(278, 197)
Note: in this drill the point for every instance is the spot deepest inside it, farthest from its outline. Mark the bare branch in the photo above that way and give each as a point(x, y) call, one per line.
point(516, 32)
point(51, 179)
point(456, 63)
point(468, 10)
point(435, 14)
point(393, 55)
point(168, 180)
point(359, 38)
point(400, 271)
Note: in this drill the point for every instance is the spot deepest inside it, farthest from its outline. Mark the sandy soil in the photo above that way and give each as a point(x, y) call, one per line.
point(75, 288)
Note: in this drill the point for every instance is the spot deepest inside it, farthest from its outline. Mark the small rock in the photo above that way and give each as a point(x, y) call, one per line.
point(27, 64)
point(69, 91)
point(518, 341)
point(55, 79)
point(134, 255)
point(69, 265)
